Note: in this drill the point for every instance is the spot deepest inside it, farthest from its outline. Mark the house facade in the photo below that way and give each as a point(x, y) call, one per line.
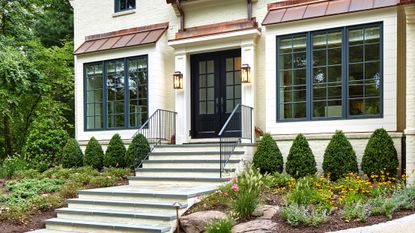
point(303, 66)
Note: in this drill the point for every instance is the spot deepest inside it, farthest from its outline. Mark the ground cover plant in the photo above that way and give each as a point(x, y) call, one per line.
point(29, 191)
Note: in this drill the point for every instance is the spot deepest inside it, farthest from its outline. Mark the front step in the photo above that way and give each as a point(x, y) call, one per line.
point(65, 225)
point(145, 207)
point(124, 217)
point(199, 163)
point(184, 172)
point(191, 155)
point(142, 180)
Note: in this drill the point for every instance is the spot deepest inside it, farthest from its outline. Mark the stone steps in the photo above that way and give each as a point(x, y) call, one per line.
point(173, 174)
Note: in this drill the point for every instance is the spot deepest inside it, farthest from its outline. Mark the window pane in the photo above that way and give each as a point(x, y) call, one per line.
point(356, 54)
point(372, 52)
point(138, 77)
point(286, 61)
point(286, 45)
point(93, 91)
point(372, 106)
point(356, 107)
point(372, 35)
point(356, 37)
point(319, 57)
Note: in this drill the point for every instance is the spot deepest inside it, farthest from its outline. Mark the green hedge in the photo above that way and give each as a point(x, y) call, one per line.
point(380, 155)
point(300, 160)
point(115, 154)
point(339, 157)
point(137, 150)
point(72, 154)
point(268, 156)
point(94, 155)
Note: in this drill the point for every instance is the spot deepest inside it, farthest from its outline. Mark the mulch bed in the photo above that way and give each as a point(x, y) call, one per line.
point(35, 221)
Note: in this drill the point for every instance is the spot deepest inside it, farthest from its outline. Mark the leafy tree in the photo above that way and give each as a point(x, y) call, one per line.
point(380, 155)
point(137, 150)
point(300, 160)
point(115, 154)
point(94, 155)
point(268, 157)
point(72, 154)
point(339, 157)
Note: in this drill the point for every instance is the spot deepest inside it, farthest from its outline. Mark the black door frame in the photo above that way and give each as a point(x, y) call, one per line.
point(220, 73)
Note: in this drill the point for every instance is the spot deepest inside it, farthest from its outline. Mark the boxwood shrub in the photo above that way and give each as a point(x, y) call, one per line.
point(72, 154)
point(115, 154)
point(339, 157)
point(300, 160)
point(268, 156)
point(137, 150)
point(380, 155)
point(94, 155)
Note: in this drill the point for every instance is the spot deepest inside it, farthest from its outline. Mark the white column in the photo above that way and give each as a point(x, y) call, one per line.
point(248, 89)
point(410, 93)
point(182, 99)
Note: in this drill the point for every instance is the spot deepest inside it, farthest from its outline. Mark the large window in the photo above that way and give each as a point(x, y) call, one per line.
point(333, 74)
point(116, 94)
point(124, 5)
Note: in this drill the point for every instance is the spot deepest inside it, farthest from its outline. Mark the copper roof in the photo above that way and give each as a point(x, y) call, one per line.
point(123, 38)
point(292, 10)
point(217, 28)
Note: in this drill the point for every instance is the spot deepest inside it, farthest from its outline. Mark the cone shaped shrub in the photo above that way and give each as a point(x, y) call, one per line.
point(115, 154)
point(300, 160)
point(72, 154)
point(339, 157)
point(137, 150)
point(94, 155)
point(380, 155)
point(268, 156)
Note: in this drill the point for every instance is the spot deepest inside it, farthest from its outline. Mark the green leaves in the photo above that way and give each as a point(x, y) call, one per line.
point(115, 154)
point(94, 156)
point(137, 150)
point(300, 160)
point(72, 154)
point(339, 157)
point(268, 157)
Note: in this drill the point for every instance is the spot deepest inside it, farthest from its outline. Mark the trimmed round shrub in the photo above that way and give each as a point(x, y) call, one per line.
point(380, 155)
point(115, 154)
point(268, 158)
point(94, 156)
point(300, 160)
point(137, 151)
point(339, 157)
point(72, 154)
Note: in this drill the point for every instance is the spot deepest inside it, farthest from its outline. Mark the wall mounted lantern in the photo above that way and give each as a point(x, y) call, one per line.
point(178, 80)
point(245, 73)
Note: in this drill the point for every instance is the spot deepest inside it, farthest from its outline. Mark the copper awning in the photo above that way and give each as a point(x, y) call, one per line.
point(124, 38)
point(292, 10)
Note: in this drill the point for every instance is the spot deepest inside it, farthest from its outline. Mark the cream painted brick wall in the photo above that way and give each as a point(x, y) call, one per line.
point(319, 143)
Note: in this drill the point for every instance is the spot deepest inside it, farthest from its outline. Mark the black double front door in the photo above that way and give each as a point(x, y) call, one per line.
point(216, 90)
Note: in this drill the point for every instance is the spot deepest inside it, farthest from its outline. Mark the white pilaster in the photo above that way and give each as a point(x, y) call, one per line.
point(410, 93)
point(182, 99)
point(248, 89)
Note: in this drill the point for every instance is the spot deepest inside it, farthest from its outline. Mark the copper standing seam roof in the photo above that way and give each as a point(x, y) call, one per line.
point(123, 38)
point(292, 10)
point(217, 28)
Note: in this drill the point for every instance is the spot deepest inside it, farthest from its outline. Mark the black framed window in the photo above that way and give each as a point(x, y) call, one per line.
point(331, 74)
point(124, 5)
point(116, 93)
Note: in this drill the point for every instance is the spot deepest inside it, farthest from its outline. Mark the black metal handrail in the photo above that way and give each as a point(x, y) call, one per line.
point(238, 126)
point(160, 128)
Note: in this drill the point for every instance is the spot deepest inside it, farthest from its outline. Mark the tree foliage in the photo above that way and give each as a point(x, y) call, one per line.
point(72, 154)
point(380, 155)
point(268, 157)
point(300, 160)
point(339, 157)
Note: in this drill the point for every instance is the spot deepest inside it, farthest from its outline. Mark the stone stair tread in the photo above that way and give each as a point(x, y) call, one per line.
point(117, 213)
point(185, 169)
point(189, 161)
point(155, 153)
point(179, 178)
point(124, 203)
point(170, 190)
point(112, 225)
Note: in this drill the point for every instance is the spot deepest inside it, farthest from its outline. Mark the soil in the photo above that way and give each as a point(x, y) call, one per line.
point(35, 221)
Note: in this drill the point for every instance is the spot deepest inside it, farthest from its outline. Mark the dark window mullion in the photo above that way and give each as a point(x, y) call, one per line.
point(309, 76)
point(105, 95)
point(126, 94)
point(345, 73)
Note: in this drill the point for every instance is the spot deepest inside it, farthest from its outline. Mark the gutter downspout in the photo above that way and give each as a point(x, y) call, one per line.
point(249, 9)
point(182, 16)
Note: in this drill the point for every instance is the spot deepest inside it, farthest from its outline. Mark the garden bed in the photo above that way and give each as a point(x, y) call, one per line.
point(30, 197)
point(316, 204)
